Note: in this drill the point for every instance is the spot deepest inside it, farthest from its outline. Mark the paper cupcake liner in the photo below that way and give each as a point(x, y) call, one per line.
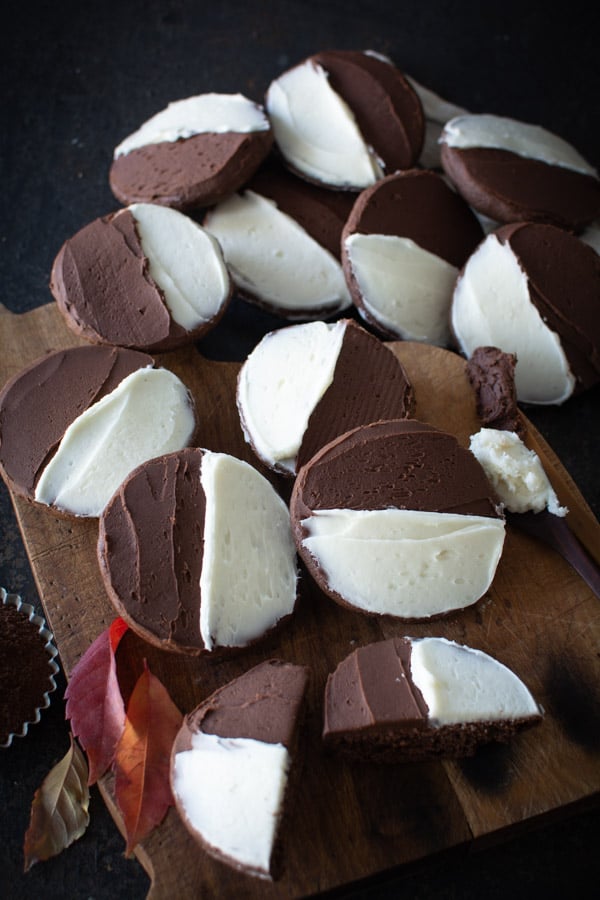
point(28, 611)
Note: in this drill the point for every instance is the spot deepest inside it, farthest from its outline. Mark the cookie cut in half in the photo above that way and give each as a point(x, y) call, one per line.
point(533, 290)
point(146, 277)
point(403, 246)
point(410, 699)
point(281, 239)
point(196, 552)
point(512, 171)
point(231, 762)
point(76, 422)
point(396, 518)
point(303, 385)
point(344, 119)
point(192, 153)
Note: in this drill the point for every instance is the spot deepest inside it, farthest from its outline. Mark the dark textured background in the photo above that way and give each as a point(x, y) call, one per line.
point(76, 79)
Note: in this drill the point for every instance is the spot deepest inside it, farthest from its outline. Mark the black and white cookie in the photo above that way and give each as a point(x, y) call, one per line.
point(305, 384)
point(192, 153)
point(231, 764)
point(281, 240)
point(396, 518)
point(146, 277)
point(403, 246)
point(196, 552)
point(534, 290)
point(423, 698)
point(345, 118)
point(511, 171)
point(76, 422)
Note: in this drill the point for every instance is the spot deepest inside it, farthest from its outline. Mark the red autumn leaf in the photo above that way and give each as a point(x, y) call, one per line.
point(94, 702)
point(59, 811)
point(142, 786)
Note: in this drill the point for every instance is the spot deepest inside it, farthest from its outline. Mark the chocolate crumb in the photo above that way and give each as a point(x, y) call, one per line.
point(491, 373)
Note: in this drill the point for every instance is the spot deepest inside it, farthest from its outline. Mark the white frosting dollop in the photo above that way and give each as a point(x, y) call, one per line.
point(231, 790)
point(515, 471)
point(404, 288)
point(204, 113)
point(492, 307)
point(248, 579)
point(274, 259)
point(405, 563)
point(500, 133)
point(185, 261)
point(149, 413)
point(316, 130)
point(460, 684)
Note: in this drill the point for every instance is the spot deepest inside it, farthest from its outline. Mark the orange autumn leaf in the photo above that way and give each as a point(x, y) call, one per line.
point(142, 787)
point(94, 703)
point(59, 811)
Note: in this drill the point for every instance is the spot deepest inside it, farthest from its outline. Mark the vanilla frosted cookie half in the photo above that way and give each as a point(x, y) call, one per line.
point(305, 384)
point(422, 698)
point(231, 765)
point(281, 240)
point(533, 290)
point(196, 552)
point(512, 171)
point(146, 277)
point(396, 518)
point(403, 246)
point(75, 423)
point(192, 153)
point(344, 119)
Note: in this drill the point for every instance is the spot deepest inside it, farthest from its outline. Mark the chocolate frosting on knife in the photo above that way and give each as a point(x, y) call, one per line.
point(38, 405)
point(151, 546)
point(404, 464)
point(122, 304)
point(189, 173)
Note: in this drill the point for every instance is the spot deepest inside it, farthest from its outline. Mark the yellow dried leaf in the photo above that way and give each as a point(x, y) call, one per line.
point(59, 811)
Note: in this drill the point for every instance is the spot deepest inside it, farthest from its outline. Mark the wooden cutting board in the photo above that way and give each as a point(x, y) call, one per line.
point(349, 821)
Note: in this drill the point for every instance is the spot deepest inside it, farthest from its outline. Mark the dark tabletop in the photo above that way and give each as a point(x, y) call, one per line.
point(79, 77)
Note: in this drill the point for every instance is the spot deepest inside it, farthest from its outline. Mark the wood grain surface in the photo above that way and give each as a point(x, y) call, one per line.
point(347, 821)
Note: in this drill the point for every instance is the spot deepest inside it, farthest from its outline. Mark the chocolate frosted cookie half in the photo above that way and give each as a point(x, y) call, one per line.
point(76, 422)
point(396, 518)
point(305, 384)
point(344, 119)
point(403, 246)
point(533, 290)
point(231, 766)
point(192, 153)
point(196, 552)
point(146, 277)
point(281, 240)
point(410, 699)
point(511, 171)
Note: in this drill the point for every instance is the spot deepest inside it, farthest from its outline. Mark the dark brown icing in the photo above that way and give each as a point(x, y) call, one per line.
point(321, 212)
point(374, 711)
point(189, 173)
point(387, 110)
point(151, 546)
point(38, 405)
point(563, 275)
point(405, 464)
point(102, 285)
point(263, 704)
point(491, 373)
point(369, 383)
point(511, 188)
point(420, 206)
